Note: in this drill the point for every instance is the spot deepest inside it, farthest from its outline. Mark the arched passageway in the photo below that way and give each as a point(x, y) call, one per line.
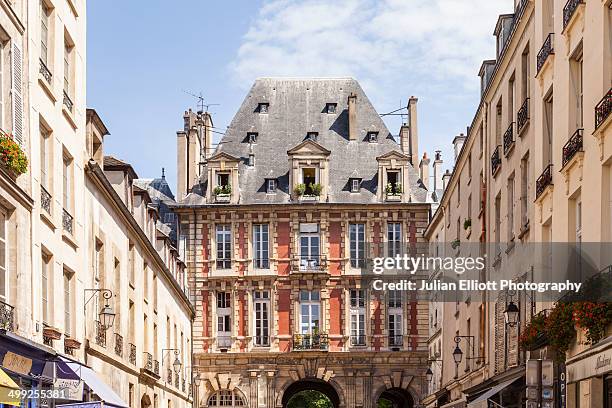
point(395, 398)
point(301, 391)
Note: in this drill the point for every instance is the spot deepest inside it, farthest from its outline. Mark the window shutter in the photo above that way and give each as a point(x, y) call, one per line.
point(16, 92)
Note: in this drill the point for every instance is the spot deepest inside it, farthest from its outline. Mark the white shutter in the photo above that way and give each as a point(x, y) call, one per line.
point(16, 92)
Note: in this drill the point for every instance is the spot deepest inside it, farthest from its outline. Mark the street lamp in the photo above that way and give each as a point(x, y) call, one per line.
point(177, 363)
point(106, 317)
point(457, 354)
point(512, 314)
point(429, 374)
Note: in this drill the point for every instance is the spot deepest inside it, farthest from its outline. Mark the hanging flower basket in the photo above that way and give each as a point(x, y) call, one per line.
point(12, 157)
point(593, 318)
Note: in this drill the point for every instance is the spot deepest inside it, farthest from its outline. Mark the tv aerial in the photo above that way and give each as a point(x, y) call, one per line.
point(201, 105)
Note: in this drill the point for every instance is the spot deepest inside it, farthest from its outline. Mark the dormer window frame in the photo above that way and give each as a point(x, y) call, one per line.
point(372, 136)
point(271, 186)
point(355, 184)
point(312, 136)
point(252, 137)
point(263, 107)
point(331, 108)
point(223, 173)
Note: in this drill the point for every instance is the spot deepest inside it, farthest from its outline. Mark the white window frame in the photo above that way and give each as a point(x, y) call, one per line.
point(261, 246)
point(358, 312)
point(396, 315)
point(223, 237)
point(261, 318)
point(271, 186)
point(4, 270)
point(394, 239)
point(310, 312)
point(45, 292)
point(224, 317)
point(355, 185)
point(44, 32)
point(311, 242)
point(223, 173)
point(67, 302)
point(357, 244)
point(67, 182)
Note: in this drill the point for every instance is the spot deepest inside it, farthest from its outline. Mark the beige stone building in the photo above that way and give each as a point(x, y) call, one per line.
point(518, 180)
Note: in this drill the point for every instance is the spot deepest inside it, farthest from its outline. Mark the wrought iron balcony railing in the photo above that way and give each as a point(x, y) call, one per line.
point(544, 180)
point(100, 334)
point(546, 50)
point(156, 367)
point(148, 361)
point(169, 376)
point(509, 139)
point(184, 385)
point(132, 356)
point(45, 199)
point(68, 222)
point(495, 161)
point(262, 341)
point(396, 340)
point(224, 341)
point(68, 102)
point(7, 317)
point(176, 380)
point(573, 146)
point(603, 109)
point(358, 340)
point(118, 344)
point(310, 263)
point(568, 11)
point(522, 116)
point(44, 71)
point(310, 341)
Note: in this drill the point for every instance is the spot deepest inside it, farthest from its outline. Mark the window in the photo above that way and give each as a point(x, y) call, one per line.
point(481, 138)
point(67, 183)
point(395, 318)
point(67, 302)
point(45, 164)
point(469, 166)
point(68, 58)
point(226, 398)
point(469, 207)
point(131, 394)
point(312, 136)
point(261, 307)
point(224, 246)
point(223, 179)
point(270, 186)
point(330, 107)
point(132, 262)
point(394, 239)
point(47, 279)
point(355, 185)
point(44, 32)
point(261, 246)
point(524, 190)
point(309, 178)
point(525, 73)
point(263, 107)
point(548, 130)
point(224, 309)
point(576, 78)
point(145, 281)
point(372, 137)
point(252, 137)
point(357, 317)
point(511, 207)
point(309, 246)
point(310, 305)
point(2, 62)
point(98, 267)
point(497, 224)
point(498, 123)
point(357, 245)
point(511, 97)
point(393, 186)
point(458, 189)
point(4, 278)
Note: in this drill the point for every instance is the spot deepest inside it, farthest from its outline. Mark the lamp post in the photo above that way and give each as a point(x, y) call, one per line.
point(106, 316)
point(176, 365)
point(458, 353)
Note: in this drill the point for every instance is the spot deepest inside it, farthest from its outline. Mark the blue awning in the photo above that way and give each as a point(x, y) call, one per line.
point(99, 387)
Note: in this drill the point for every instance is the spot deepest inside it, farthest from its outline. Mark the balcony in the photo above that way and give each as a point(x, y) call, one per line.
point(176, 380)
point(544, 181)
point(68, 222)
point(396, 340)
point(310, 264)
point(358, 340)
point(569, 10)
point(603, 109)
point(44, 71)
point(183, 385)
point(68, 103)
point(169, 376)
point(100, 334)
point(7, 317)
point(45, 200)
point(522, 116)
point(224, 342)
point(118, 344)
point(495, 161)
point(156, 367)
point(509, 139)
point(310, 342)
point(148, 361)
point(546, 50)
point(132, 356)
point(573, 146)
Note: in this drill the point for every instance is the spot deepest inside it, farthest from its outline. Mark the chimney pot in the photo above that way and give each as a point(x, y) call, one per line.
point(437, 169)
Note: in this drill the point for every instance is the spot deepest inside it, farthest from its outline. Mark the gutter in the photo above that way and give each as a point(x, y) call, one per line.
point(100, 179)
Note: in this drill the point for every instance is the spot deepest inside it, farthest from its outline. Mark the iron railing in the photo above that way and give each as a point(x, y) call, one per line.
point(546, 50)
point(148, 361)
point(509, 139)
point(310, 263)
point(544, 180)
point(100, 334)
point(44, 71)
point(358, 340)
point(310, 341)
point(396, 340)
point(45, 199)
point(118, 344)
point(176, 380)
point(48, 341)
point(67, 222)
point(522, 116)
point(603, 109)
point(7, 317)
point(132, 356)
point(224, 341)
point(495, 161)
point(68, 102)
point(169, 376)
point(156, 367)
point(573, 146)
point(184, 385)
point(568, 11)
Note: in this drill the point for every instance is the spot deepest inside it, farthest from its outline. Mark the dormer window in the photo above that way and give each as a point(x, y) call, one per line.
point(270, 186)
point(372, 137)
point(252, 137)
point(331, 107)
point(355, 185)
point(312, 136)
point(393, 187)
point(263, 107)
point(223, 179)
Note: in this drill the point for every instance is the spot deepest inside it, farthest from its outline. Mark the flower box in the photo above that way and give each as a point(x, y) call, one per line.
point(222, 198)
point(394, 197)
point(12, 157)
point(52, 333)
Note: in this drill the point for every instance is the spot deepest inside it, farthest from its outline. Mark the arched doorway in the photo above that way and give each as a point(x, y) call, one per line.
point(145, 401)
point(395, 398)
point(307, 389)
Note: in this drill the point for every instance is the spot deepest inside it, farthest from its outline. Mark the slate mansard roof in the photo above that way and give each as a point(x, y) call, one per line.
point(296, 107)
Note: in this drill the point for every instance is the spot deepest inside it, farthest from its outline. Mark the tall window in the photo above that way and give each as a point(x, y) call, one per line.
point(67, 302)
point(548, 130)
point(310, 308)
point(261, 246)
point(3, 259)
point(357, 245)
point(498, 123)
point(132, 262)
point(576, 78)
point(44, 158)
point(525, 73)
point(395, 318)
point(358, 317)
point(145, 281)
point(45, 285)
point(67, 183)
point(98, 275)
point(511, 208)
point(497, 224)
point(524, 189)
point(44, 32)
point(224, 246)
point(394, 238)
point(309, 246)
point(261, 307)
point(68, 67)
point(511, 97)
point(224, 310)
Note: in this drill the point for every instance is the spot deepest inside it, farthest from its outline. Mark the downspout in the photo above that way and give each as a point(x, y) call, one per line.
point(485, 132)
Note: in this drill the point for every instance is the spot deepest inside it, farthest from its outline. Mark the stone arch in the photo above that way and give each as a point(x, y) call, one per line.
point(408, 395)
point(330, 388)
point(236, 391)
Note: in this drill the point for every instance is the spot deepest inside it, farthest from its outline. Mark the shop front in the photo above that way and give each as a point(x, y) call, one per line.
point(589, 377)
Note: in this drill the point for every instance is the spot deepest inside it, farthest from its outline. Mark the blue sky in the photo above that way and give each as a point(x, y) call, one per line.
point(142, 56)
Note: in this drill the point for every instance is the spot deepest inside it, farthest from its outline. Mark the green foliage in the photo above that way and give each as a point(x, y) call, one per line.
point(455, 243)
point(316, 189)
point(384, 403)
point(300, 189)
point(309, 399)
point(222, 190)
point(467, 223)
point(11, 155)
point(560, 328)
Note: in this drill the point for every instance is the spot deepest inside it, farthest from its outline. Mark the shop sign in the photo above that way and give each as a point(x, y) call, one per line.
point(16, 363)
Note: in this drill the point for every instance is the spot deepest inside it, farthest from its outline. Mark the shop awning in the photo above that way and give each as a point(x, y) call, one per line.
point(99, 387)
point(482, 400)
point(6, 386)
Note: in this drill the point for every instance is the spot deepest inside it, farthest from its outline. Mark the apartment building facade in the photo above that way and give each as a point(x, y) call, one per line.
point(537, 136)
point(306, 184)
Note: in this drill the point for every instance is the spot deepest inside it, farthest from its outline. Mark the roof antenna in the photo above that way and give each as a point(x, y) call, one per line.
point(163, 173)
point(201, 105)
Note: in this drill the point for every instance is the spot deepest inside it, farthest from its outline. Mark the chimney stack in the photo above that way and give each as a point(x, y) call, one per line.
point(437, 169)
point(414, 133)
point(424, 170)
point(458, 142)
point(352, 116)
point(405, 140)
point(189, 152)
point(446, 179)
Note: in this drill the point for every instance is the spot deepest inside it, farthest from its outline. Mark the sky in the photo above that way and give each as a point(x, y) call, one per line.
point(146, 58)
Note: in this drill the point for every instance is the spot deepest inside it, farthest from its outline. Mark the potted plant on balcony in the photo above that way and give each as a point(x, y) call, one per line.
point(316, 189)
point(222, 193)
point(393, 191)
point(455, 243)
point(560, 328)
point(12, 157)
point(299, 189)
point(534, 335)
point(593, 318)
